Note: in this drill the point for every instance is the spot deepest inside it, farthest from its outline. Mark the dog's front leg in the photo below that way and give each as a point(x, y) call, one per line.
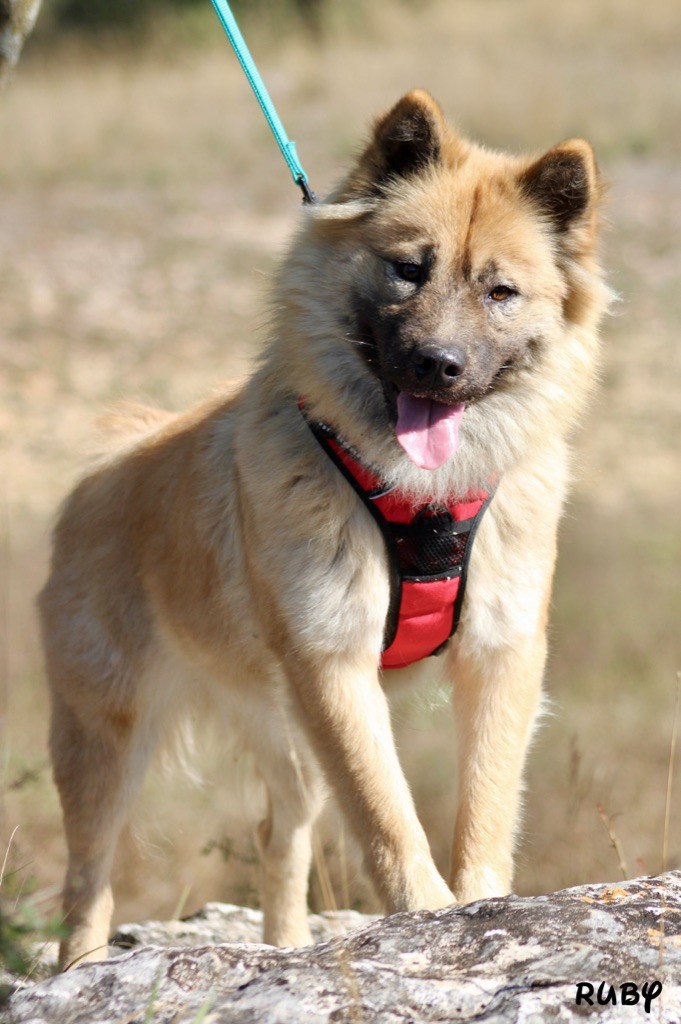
point(347, 716)
point(497, 694)
point(323, 592)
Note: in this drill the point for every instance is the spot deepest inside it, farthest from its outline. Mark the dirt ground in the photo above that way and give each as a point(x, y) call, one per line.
point(142, 209)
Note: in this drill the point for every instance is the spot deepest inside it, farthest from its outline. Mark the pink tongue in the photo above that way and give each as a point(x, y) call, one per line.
point(428, 431)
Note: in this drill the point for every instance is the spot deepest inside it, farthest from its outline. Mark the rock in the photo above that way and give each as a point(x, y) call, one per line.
point(221, 923)
point(511, 959)
point(214, 923)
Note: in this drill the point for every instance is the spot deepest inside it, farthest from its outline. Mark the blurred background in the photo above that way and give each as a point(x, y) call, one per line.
point(143, 206)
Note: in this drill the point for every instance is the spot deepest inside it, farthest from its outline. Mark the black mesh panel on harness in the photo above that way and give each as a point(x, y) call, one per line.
point(433, 546)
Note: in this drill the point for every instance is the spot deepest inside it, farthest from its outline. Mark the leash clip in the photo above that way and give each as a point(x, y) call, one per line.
point(309, 196)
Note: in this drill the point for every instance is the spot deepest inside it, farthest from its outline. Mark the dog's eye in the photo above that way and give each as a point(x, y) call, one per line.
point(501, 292)
point(412, 272)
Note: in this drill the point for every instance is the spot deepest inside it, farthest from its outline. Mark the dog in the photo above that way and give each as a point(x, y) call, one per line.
point(434, 339)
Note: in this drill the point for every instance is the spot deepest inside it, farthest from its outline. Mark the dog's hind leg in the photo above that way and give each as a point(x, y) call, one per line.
point(284, 837)
point(99, 763)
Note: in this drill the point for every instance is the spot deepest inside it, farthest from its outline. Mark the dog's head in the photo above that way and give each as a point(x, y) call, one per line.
point(441, 279)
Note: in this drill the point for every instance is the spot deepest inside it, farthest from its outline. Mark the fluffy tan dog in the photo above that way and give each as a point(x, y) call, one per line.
point(439, 313)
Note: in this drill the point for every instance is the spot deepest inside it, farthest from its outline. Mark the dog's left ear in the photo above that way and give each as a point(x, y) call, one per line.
point(564, 184)
point(405, 141)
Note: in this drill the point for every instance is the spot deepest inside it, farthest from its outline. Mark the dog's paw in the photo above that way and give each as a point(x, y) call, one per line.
point(431, 892)
point(482, 883)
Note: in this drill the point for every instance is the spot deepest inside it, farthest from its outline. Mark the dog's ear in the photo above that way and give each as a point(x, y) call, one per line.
point(405, 141)
point(564, 184)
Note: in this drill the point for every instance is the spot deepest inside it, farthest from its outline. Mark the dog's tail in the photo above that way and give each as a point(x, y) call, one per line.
point(123, 428)
point(131, 420)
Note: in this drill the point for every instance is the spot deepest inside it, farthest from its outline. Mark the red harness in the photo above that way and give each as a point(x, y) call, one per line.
point(428, 550)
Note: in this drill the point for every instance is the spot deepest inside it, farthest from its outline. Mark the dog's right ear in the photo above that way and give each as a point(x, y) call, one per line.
point(406, 140)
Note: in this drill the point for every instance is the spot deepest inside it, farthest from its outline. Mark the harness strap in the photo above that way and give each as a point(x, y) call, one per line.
point(428, 550)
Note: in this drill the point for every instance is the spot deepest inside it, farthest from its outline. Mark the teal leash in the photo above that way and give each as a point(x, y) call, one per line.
point(288, 148)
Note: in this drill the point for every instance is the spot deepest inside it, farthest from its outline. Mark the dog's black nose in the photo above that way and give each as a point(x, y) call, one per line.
point(437, 366)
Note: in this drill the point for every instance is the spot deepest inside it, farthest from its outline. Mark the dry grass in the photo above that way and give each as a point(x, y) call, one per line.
point(142, 205)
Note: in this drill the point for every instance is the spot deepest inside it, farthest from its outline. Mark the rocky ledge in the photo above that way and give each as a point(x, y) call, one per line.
point(609, 950)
